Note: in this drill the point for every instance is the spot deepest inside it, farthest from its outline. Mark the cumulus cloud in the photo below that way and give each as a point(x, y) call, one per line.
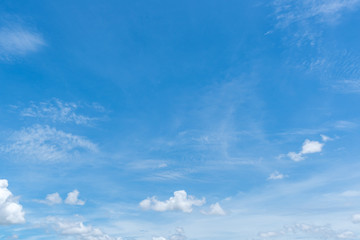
point(308, 147)
point(51, 199)
point(180, 201)
point(276, 176)
point(79, 230)
point(72, 198)
point(311, 147)
point(215, 209)
point(11, 211)
point(15, 41)
point(59, 111)
point(44, 143)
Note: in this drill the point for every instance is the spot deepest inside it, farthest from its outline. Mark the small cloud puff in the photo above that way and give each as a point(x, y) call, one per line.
point(180, 201)
point(55, 198)
point(72, 198)
point(215, 209)
point(11, 211)
point(308, 147)
point(276, 176)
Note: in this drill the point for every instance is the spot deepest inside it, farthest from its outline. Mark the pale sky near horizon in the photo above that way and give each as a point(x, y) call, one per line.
point(179, 120)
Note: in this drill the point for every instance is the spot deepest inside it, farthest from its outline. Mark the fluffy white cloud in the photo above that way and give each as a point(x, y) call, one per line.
point(59, 111)
point(79, 231)
point(72, 198)
point(308, 147)
point(276, 176)
point(11, 211)
point(180, 201)
point(297, 157)
point(215, 209)
point(311, 147)
point(46, 144)
point(17, 41)
point(53, 198)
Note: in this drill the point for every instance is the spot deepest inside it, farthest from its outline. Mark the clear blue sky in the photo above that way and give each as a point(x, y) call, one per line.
point(174, 120)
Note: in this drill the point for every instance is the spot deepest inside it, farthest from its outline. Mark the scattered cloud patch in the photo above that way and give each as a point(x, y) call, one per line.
point(180, 201)
point(350, 193)
point(325, 138)
point(347, 86)
point(44, 143)
point(16, 41)
point(321, 11)
point(11, 211)
point(52, 199)
point(179, 235)
point(308, 147)
point(78, 230)
point(308, 231)
point(59, 111)
point(72, 198)
point(356, 218)
point(276, 176)
point(215, 209)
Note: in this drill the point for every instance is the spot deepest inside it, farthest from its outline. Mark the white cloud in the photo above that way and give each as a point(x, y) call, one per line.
point(51, 199)
point(179, 235)
point(308, 231)
point(11, 211)
point(58, 111)
point(180, 201)
point(44, 143)
point(215, 209)
point(17, 41)
point(72, 198)
point(300, 12)
point(347, 235)
point(356, 218)
point(297, 157)
point(311, 147)
point(276, 176)
point(79, 231)
point(350, 193)
point(325, 138)
point(268, 234)
point(308, 147)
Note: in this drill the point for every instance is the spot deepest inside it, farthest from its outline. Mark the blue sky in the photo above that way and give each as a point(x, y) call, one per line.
point(179, 120)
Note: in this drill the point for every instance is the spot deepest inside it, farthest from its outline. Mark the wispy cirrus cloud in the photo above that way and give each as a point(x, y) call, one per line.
point(308, 231)
point(56, 110)
point(47, 144)
point(298, 12)
point(16, 40)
